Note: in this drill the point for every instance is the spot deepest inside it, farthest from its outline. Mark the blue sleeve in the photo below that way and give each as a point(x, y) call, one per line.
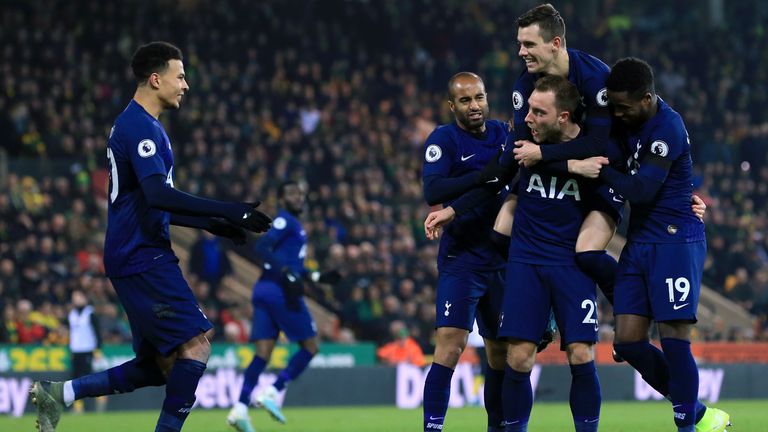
point(667, 142)
point(439, 154)
point(265, 247)
point(520, 94)
point(439, 189)
point(161, 195)
point(636, 189)
point(190, 221)
point(142, 148)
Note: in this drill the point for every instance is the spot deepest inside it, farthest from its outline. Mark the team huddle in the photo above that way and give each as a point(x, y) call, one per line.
point(528, 209)
point(545, 196)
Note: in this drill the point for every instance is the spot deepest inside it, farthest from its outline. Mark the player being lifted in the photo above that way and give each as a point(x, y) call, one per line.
point(542, 274)
point(659, 273)
point(278, 305)
point(169, 329)
point(541, 37)
point(470, 280)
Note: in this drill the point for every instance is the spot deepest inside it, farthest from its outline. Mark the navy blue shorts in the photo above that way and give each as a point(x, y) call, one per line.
point(660, 280)
point(465, 295)
point(161, 308)
point(273, 312)
point(606, 200)
point(533, 290)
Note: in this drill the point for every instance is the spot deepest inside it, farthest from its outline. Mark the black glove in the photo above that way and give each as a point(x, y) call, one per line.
point(292, 283)
point(246, 216)
point(331, 277)
point(493, 174)
point(223, 228)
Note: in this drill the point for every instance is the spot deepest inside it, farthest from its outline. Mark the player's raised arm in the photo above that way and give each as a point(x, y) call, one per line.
point(162, 196)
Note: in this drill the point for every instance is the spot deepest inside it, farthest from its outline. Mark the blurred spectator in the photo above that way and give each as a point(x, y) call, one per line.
point(402, 348)
point(209, 261)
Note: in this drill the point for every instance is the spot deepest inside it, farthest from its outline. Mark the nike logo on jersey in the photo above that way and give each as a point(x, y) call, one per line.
point(618, 200)
point(493, 180)
point(466, 158)
point(436, 418)
point(676, 307)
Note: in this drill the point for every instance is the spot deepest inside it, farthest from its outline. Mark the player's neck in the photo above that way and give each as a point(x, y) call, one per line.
point(149, 102)
point(570, 131)
point(559, 67)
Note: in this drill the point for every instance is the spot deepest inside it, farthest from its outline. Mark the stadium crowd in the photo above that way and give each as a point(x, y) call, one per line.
point(340, 95)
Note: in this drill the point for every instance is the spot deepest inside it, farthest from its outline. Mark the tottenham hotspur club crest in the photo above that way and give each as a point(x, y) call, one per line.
point(447, 306)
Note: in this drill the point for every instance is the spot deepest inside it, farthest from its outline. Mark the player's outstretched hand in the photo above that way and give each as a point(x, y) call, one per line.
point(224, 228)
point(589, 168)
point(493, 173)
point(527, 153)
point(252, 219)
point(436, 220)
point(699, 207)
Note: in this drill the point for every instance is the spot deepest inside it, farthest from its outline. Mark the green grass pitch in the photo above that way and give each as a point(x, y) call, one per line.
point(747, 416)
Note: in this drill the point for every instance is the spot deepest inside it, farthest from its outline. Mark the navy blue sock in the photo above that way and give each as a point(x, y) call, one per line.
point(649, 361)
point(683, 381)
point(251, 378)
point(601, 267)
point(494, 383)
point(518, 400)
point(500, 243)
point(124, 378)
point(179, 394)
point(296, 366)
point(437, 391)
point(585, 397)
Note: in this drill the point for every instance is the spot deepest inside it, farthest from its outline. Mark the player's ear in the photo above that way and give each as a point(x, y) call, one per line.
point(154, 80)
point(557, 42)
point(451, 105)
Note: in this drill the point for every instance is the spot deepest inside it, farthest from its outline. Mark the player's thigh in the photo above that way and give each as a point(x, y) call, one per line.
point(579, 353)
point(521, 355)
point(489, 305)
point(574, 301)
point(161, 309)
point(526, 303)
point(294, 319)
point(674, 279)
point(266, 303)
point(631, 328)
point(630, 289)
point(458, 293)
point(596, 232)
point(496, 353)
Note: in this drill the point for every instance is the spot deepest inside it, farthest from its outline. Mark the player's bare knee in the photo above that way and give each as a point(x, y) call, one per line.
point(497, 353)
point(264, 348)
point(579, 353)
point(675, 329)
point(521, 356)
point(310, 345)
point(198, 348)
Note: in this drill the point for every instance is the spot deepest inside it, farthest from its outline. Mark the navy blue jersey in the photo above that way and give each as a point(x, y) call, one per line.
point(138, 236)
point(450, 151)
point(284, 245)
point(549, 213)
point(661, 151)
point(587, 73)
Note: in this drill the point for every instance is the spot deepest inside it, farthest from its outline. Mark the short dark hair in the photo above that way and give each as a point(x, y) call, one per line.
point(633, 76)
point(550, 22)
point(153, 58)
point(453, 79)
point(284, 185)
point(567, 97)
